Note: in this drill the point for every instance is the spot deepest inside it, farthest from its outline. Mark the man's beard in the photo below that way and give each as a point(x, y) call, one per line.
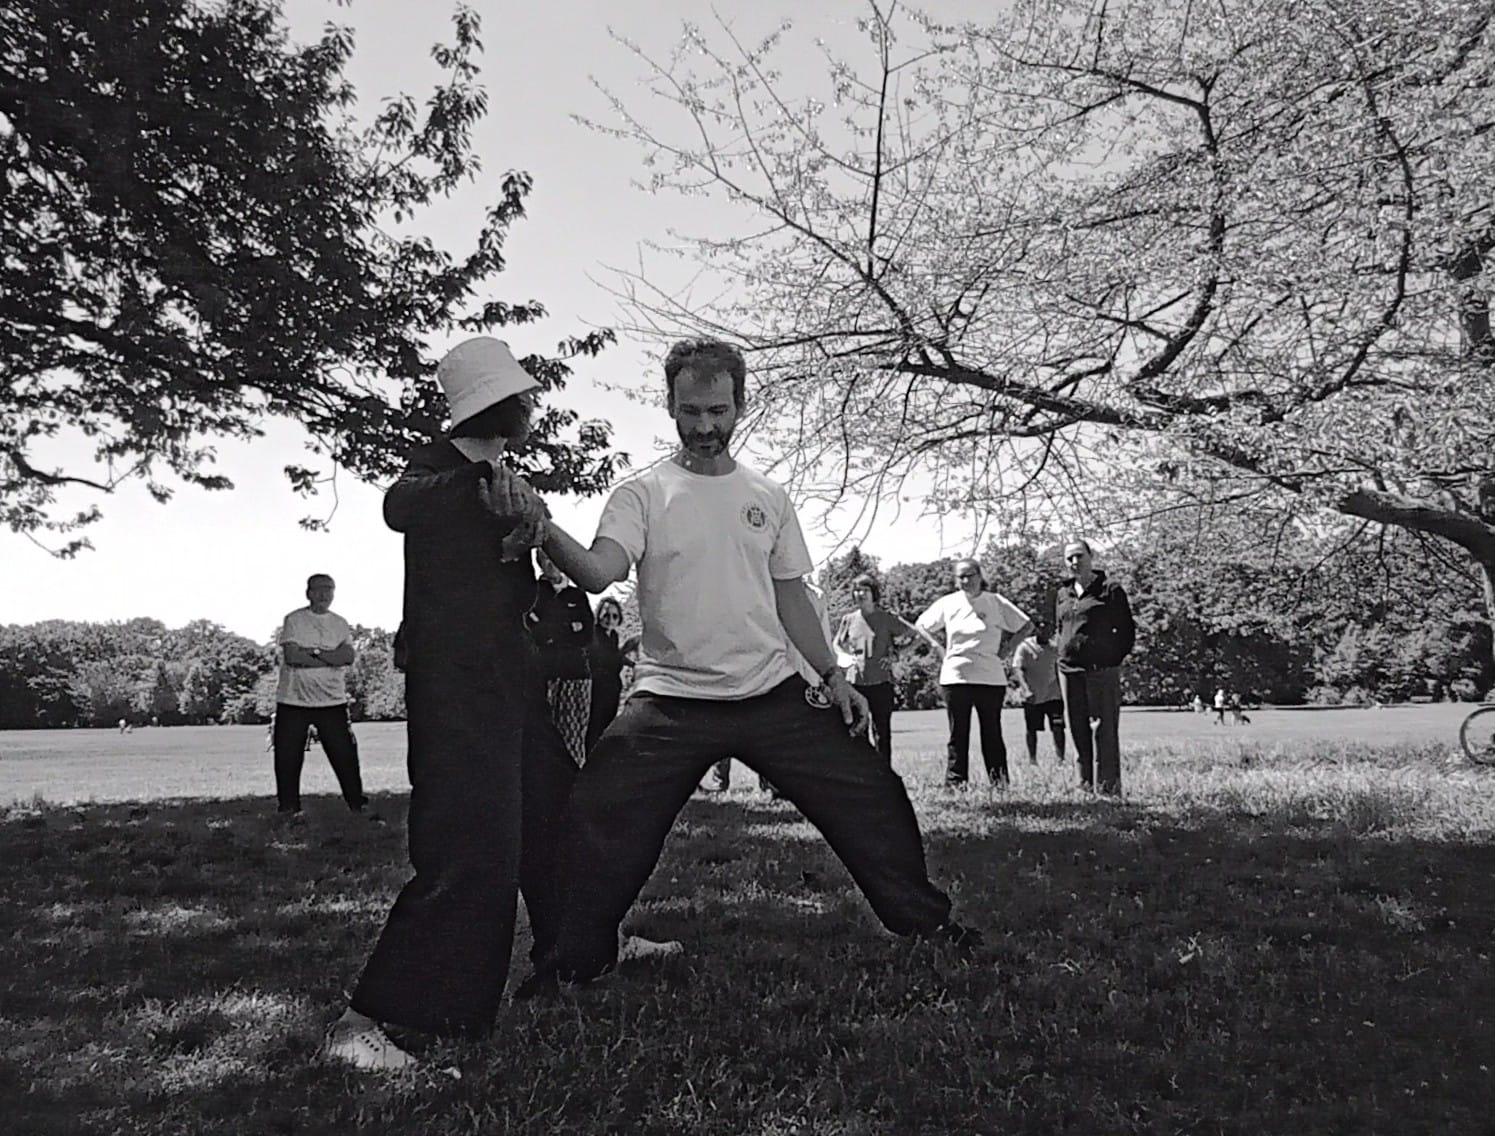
point(708, 445)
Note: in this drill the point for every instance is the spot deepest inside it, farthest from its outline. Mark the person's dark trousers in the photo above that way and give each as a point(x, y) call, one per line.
point(489, 777)
point(649, 761)
point(1095, 696)
point(879, 698)
point(1035, 715)
point(960, 699)
point(336, 736)
point(607, 692)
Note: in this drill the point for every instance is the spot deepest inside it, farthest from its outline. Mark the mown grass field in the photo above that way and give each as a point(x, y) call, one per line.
point(1286, 928)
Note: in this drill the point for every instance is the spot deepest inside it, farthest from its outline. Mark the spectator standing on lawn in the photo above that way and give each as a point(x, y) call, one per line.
point(561, 623)
point(1096, 633)
point(981, 630)
point(1222, 701)
point(867, 636)
point(1035, 664)
point(316, 649)
point(606, 658)
point(1238, 712)
point(489, 773)
point(721, 562)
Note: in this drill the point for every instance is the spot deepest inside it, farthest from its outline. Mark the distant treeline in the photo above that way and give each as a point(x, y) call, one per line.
point(62, 673)
point(1329, 623)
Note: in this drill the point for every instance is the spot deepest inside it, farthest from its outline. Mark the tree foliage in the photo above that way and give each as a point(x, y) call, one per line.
point(199, 236)
point(1241, 250)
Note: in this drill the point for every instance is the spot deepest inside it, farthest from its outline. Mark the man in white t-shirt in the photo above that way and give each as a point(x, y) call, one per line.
point(316, 649)
point(721, 560)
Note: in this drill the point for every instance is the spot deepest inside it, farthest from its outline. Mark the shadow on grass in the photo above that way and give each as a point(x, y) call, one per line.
point(170, 967)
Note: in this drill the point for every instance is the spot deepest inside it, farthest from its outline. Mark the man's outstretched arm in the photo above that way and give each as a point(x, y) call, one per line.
point(591, 569)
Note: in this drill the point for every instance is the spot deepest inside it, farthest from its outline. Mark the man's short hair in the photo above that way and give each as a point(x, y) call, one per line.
point(706, 357)
point(1082, 542)
point(865, 581)
point(316, 577)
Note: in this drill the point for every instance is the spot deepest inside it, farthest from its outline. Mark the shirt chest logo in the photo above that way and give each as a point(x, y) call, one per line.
point(754, 517)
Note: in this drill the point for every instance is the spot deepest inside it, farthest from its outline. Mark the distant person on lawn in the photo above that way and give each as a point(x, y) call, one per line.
point(607, 655)
point(1035, 664)
point(316, 649)
point(868, 636)
point(721, 564)
point(981, 630)
point(1096, 634)
point(561, 625)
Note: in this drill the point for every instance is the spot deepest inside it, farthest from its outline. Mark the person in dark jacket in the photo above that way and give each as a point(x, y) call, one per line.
point(561, 625)
point(489, 773)
point(1095, 634)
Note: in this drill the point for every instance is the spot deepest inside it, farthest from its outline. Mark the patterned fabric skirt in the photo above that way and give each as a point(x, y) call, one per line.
point(570, 707)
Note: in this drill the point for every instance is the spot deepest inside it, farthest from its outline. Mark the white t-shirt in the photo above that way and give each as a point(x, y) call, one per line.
point(707, 550)
point(973, 635)
point(313, 686)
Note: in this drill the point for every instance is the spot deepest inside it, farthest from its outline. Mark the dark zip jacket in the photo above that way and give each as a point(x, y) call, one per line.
point(561, 625)
point(1095, 628)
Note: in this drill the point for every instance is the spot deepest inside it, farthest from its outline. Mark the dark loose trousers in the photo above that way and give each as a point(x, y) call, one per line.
point(1095, 696)
point(879, 698)
point(986, 700)
point(650, 760)
point(489, 777)
point(289, 742)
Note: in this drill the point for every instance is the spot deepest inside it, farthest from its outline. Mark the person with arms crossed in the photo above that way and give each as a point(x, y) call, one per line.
point(709, 536)
point(981, 630)
point(489, 772)
point(1096, 633)
point(316, 649)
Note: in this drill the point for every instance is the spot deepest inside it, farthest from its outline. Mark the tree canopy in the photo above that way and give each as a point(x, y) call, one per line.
point(198, 235)
point(1234, 250)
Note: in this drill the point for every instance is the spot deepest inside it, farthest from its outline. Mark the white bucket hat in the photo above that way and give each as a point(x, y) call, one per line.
point(479, 373)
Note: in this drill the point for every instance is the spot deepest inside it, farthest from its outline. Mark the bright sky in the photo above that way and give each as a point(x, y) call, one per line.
point(239, 558)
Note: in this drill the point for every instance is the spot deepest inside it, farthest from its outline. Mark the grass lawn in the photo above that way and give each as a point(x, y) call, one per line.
point(1285, 928)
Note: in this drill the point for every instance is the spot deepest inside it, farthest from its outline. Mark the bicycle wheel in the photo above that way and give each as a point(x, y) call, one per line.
point(1477, 736)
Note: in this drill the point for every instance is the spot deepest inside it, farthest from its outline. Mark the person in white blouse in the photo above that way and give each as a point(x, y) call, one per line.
point(981, 630)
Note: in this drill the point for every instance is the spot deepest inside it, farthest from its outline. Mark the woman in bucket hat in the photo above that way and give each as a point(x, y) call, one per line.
point(489, 773)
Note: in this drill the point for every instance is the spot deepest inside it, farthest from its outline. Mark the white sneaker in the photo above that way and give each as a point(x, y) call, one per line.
point(369, 1048)
point(637, 947)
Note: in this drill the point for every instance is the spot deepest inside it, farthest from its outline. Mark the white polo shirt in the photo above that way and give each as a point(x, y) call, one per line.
point(707, 551)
